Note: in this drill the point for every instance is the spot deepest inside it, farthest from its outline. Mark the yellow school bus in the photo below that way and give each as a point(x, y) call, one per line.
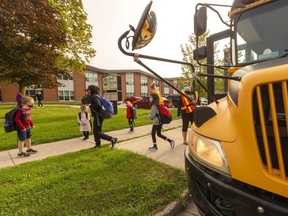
point(237, 159)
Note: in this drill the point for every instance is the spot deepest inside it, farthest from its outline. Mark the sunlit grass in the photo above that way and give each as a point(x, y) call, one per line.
point(59, 122)
point(90, 182)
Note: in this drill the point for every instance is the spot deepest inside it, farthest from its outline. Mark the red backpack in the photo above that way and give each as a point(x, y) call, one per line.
point(165, 116)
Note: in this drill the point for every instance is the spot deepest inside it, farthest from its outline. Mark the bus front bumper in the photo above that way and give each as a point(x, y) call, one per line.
point(215, 194)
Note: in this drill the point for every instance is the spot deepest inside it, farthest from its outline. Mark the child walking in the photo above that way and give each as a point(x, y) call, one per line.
point(157, 126)
point(24, 124)
point(39, 98)
point(130, 115)
point(84, 121)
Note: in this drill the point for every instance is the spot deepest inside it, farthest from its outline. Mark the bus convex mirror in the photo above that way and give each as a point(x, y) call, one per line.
point(146, 28)
point(200, 53)
point(200, 21)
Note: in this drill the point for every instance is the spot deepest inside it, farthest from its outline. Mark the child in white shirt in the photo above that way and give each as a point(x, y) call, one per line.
point(84, 121)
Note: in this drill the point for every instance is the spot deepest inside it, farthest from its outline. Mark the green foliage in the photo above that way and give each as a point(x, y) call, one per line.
point(41, 39)
point(89, 182)
point(77, 50)
point(30, 39)
point(187, 52)
point(54, 123)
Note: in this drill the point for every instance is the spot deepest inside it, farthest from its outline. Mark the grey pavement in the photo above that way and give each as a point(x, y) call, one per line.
point(138, 142)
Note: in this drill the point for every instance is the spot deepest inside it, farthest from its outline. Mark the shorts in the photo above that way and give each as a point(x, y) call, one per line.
point(186, 119)
point(23, 135)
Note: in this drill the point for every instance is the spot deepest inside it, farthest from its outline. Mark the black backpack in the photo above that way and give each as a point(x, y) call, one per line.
point(10, 123)
point(86, 114)
point(79, 115)
point(133, 112)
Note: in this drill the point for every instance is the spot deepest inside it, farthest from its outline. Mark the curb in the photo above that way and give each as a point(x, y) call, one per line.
point(176, 206)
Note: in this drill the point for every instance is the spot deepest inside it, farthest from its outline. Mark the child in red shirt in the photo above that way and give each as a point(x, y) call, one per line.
point(24, 124)
point(130, 115)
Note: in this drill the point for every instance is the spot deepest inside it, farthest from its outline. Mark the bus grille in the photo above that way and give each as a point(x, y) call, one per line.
point(270, 110)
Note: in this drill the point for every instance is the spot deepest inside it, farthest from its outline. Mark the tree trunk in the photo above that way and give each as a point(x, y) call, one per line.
point(22, 89)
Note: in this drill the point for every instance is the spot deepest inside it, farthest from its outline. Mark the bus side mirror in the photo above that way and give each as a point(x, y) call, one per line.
point(200, 53)
point(146, 28)
point(200, 21)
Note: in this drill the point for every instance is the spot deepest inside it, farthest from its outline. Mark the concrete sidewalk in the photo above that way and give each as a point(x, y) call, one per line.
point(138, 142)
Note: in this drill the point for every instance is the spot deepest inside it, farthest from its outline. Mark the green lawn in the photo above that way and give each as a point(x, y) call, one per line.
point(59, 122)
point(90, 182)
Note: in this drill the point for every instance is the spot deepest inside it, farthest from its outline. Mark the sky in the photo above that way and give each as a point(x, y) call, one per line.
point(111, 18)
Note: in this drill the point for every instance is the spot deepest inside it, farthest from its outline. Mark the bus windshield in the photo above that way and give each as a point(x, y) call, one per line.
point(261, 33)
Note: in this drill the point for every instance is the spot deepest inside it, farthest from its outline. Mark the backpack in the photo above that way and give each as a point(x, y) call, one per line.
point(79, 115)
point(10, 123)
point(165, 115)
point(107, 110)
point(86, 114)
point(133, 112)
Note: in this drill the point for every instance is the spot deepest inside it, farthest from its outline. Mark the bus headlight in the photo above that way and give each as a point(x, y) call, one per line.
point(208, 152)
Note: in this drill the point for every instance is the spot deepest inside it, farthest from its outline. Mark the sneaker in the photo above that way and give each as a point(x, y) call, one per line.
point(113, 142)
point(131, 131)
point(85, 138)
point(153, 148)
point(97, 146)
point(172, 144)
point(23, 154)
point(31, 151)
point(185, 143)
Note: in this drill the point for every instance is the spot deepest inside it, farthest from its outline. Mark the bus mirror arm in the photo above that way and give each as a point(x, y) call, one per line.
point(236, 78)
point(137, 57)
point(181, 93)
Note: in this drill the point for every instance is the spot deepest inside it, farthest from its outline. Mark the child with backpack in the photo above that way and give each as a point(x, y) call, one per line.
point(24, 124)
point(130, 115)
point(84, 121)
point(157, 125)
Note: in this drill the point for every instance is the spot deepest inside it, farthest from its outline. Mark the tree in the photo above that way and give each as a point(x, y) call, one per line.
point(187, 52)
point(37, 43)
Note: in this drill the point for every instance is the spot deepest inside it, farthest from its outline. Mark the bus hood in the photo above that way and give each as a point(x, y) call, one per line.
point(222, 126)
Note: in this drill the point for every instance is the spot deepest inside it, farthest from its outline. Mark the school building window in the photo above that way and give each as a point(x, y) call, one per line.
point(31, 92)
point(129, 94)
point(157, 83)
point(144, 81)
point(91, 77)
point(129, 79)
point(175, 83)
point(64, 77)
point(144, 94)
point(66, 95)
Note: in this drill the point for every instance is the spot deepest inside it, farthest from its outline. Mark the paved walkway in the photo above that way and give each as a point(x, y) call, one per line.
point(138, 142)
